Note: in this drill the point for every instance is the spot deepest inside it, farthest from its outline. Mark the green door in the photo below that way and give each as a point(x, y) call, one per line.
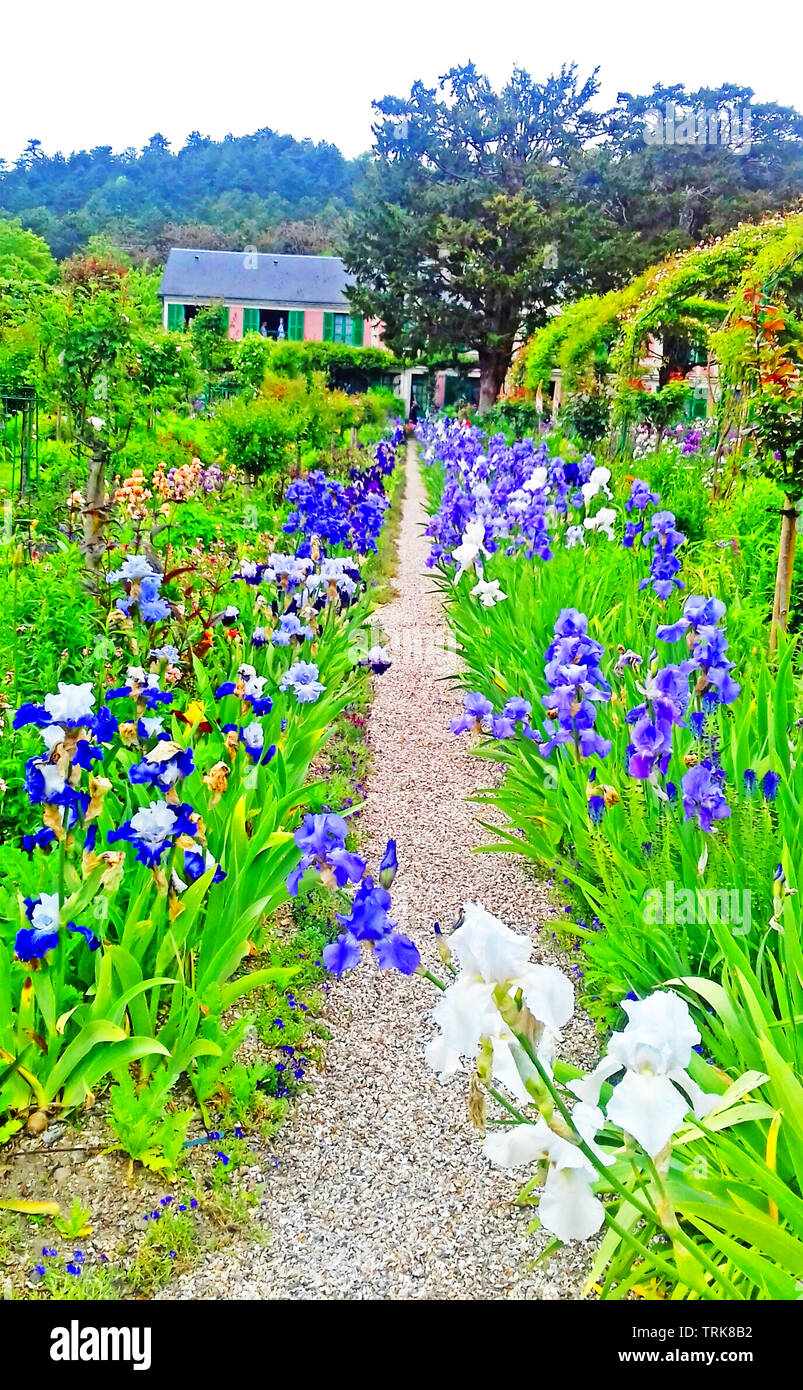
point(328, 327)
point(175, 317)
point(356, 330)
point(295, 325)
point(250, 321)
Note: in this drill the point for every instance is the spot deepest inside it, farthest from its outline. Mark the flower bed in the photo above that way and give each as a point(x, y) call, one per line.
point(171, 812)
point(650, 747)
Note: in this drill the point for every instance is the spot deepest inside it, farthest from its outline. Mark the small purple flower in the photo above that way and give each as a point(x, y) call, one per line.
point(389, 865)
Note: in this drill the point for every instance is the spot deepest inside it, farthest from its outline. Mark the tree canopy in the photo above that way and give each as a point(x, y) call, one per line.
point(217, 193)
point(483, 210)
point(452, 242)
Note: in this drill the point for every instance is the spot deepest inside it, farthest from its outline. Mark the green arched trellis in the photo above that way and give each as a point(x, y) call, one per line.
point(692, 293)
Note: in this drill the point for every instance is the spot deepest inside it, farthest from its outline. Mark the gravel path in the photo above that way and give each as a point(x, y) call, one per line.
point(381, 1189)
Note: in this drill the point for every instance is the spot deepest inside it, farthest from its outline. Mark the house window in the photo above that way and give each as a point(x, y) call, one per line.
point(274, 323)
point(343, 328)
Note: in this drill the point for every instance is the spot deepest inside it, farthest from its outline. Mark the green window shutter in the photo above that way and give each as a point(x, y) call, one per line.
point(175, 317)
point(250, 321)
point(224, 318)
point(328, 327)
point(295, 325)
point(356, 330)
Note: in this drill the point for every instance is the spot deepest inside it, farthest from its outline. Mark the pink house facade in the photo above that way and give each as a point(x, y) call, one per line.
point(299, 298)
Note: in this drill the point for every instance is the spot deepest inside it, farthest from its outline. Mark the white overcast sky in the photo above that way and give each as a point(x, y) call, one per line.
point(78, 73)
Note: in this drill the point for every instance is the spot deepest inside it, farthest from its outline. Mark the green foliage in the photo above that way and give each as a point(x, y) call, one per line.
point(145, 1128)
point(74, 1225)
point(43, 640)
point(23, 255)
point(587, 416)
point(658, 408)
point(258, 435)
point(695, 297)
point(209, 334)
point(513, 418)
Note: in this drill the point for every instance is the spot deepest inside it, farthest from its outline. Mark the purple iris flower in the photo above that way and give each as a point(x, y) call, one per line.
point(650, 748)
point(92, 941)
point(322, 840)
point(195, 864)
point(146, 691)
point(667, 694)
point(703, 796)
point(397, 952)
point(368, 919)
point(572, 671)
point(341, 955)
point(665, 565)
point(104, 726)
point(663, 574)
point(320, 833)
point(627, 660)
point(153, 608)
point(697, 612)
point(641, 497)
point(291, 628)
point(517, 709)
point(164, 774)
point(86, 754)
point(40, 839)
point(475, 709)
point(662, 529)
point(302, 679)
point(709, 654)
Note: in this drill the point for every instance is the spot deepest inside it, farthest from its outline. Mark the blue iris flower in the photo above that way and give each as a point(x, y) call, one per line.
point(475, 708)
point(322, 840)
point(154, 829)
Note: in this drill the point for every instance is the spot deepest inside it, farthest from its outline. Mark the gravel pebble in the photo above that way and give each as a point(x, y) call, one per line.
point(381, 1190)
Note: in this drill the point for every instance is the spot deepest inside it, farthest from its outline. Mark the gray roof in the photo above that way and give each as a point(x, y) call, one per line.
point(250, 278)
